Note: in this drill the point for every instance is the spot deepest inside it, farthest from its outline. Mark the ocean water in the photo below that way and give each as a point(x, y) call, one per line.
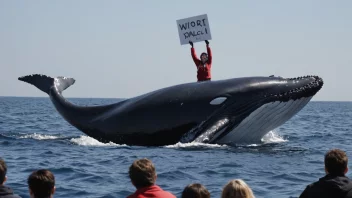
point(33, 135)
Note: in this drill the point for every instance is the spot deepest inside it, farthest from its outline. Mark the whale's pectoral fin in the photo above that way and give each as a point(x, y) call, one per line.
point(213, 131)
point(44, 83)
point(206, 132)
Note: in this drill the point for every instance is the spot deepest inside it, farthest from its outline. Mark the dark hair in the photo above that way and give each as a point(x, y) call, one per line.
point(142, 173)
point(195, 190)
point(336, 161)
point(3, 170)
point(41, 183)
point(203, 54)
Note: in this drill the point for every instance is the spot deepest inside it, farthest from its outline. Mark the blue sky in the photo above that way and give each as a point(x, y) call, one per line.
point(123, 49)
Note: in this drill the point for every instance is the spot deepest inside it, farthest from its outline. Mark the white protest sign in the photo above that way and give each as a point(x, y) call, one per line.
point(194, 29)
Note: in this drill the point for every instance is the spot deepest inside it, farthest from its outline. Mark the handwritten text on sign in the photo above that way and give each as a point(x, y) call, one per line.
point(194, 29)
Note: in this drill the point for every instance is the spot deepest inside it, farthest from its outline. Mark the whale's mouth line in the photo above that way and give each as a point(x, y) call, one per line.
point(227, 117)
point(306, 90)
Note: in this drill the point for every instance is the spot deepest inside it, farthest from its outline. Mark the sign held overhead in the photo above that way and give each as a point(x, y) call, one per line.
point(195, 29)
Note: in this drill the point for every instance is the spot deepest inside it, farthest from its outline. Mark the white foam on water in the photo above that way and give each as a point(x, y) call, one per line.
point(253, 145)
point(39, 137)
point(195, 145)
point(273, 137)
point(88, 141)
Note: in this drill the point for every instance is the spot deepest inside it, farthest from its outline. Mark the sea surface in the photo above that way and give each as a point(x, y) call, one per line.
point(33, 135)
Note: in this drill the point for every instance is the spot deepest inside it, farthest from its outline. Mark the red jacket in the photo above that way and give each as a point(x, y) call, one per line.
point(153, 191)
point(203, 71)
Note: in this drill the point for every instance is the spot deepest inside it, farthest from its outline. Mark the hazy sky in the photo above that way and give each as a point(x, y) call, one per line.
point(123, 49)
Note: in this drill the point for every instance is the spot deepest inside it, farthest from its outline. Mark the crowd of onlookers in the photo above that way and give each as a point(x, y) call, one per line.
point(335, 184)
point(41, 183)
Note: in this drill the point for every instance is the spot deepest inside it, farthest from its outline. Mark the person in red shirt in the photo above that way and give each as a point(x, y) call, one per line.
point(143, 176)
point(203, 64)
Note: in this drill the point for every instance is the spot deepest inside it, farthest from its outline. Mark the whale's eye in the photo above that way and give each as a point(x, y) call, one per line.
point(218, 100)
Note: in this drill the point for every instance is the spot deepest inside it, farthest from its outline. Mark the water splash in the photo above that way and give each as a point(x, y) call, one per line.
point(40, 137)
point(88, 141)
point(273, 137)
point(195, 145)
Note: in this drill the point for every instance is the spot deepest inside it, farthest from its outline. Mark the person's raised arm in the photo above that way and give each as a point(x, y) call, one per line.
point(210, 55)
point(194, 55)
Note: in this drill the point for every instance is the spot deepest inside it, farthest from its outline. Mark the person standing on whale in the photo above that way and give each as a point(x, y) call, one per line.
point(203, 64)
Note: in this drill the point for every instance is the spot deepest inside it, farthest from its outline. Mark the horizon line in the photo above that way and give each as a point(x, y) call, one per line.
point(76, 97)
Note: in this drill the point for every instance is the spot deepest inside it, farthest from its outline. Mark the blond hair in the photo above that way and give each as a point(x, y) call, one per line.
point(237, 188)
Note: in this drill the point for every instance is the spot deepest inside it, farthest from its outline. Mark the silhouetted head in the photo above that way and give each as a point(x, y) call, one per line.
point(204, 57)
point(3, 170)
point(336, 162)
point(195, 190)
point(41, 184)
point(142, 173)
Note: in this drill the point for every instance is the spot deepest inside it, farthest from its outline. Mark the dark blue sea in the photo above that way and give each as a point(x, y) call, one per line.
point(33, 135)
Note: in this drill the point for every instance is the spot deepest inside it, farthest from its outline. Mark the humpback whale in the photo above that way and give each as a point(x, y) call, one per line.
point(230, 111)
